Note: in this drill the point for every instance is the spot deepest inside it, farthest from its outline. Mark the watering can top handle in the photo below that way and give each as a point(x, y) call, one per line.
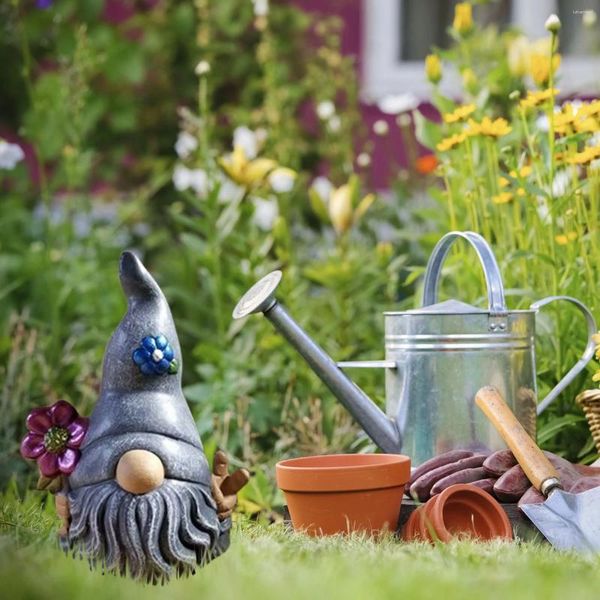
point(587, 355)
point(495, 290)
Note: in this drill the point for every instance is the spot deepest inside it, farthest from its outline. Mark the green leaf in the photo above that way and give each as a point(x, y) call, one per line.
point(427, 132)
point(550, 429)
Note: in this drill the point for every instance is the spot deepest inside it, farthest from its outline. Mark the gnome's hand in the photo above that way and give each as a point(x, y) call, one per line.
point(61, 503)
point(224, 487)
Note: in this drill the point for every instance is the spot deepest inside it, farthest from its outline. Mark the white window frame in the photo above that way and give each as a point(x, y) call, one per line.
point(383, 74)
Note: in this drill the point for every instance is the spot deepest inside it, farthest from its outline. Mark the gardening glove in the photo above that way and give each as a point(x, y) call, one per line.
point(440, 472)
point(224, 487)
point(512, 484)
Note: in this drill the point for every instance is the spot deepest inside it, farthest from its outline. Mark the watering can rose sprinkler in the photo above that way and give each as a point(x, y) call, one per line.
point(437, 358)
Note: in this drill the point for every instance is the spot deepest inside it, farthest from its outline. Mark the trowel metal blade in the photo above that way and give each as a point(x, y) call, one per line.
point(569, 521)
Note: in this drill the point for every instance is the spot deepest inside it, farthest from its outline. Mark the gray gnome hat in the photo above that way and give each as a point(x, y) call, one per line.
point(141, 404)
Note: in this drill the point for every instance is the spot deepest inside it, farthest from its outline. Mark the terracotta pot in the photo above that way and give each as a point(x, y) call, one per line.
point(340, 493)
point(461, 510)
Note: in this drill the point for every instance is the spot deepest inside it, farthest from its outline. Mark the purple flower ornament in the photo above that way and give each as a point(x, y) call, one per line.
point(55, 435)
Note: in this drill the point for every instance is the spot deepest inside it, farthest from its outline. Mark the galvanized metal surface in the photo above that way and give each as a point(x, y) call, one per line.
point(436, 358)
point(569, 521)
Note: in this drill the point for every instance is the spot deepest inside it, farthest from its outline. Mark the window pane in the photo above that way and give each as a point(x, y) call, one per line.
point(424, 23)
point(575, 38)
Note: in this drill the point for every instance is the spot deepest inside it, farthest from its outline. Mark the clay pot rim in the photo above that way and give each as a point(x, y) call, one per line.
point(356, 472)
point(489, 507)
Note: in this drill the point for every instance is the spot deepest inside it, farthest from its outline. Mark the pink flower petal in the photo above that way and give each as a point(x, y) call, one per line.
point(62, 413)
point(48, 464)
point(38, 420)
point(68, 460)
point(32, 446)
point(77, 430)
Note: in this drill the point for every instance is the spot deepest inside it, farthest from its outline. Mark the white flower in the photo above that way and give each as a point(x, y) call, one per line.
point(399, 103)
point(543, 210)
point(575, 105)
point(282, 180)
point(202, 68)
point(261, 8)
point(265, 212)
point(10, 155)
point(247, 139)
point(380, 127)
point(323, 187)
point(334, 123)
point(196, 179)
point(561, 183)
point(363, 159)
point(542, 123)
point(594, 140)
point(228, 190)
point(325, 110)
point(552, 23)
point(589, 18)
point(186, 143)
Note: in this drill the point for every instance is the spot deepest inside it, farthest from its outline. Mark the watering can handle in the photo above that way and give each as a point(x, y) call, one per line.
point(495, 290)
point(585, 357)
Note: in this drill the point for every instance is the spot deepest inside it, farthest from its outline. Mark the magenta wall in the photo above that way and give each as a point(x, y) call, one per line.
point(389, 154)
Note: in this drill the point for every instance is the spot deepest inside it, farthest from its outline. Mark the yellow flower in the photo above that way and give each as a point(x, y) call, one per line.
point(539, 67)
point(459, 113)
point(586, 125)
point(449, 142)
point(564, 239)
point(502, 198)
point(535, 98)
point(585, 156)
point(244, 172)
point(596, 376)
point(433, 68)
point(564, 119)
point(503, 182)
point(521, 192)
point(496, 128)
point(342, 207)
point(524, 171)
point(463, 18)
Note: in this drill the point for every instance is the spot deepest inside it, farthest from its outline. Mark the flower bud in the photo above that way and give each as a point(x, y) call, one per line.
point(552, 24)
point(202, 68)
point(463, 18)
point(340, 209)
point(433, 68)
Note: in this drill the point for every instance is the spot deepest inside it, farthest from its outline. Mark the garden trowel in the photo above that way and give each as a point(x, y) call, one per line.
point(568, 521)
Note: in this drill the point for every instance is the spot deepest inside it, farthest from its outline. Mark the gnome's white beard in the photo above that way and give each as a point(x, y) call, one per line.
point(153, 536)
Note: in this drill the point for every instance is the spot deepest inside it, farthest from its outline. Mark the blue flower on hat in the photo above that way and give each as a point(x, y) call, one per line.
point(154, 356)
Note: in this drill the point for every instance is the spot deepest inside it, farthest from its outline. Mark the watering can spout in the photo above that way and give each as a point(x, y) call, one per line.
point(380, 428)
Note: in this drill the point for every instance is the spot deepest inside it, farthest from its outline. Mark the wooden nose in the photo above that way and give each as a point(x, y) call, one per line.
point(139, 471)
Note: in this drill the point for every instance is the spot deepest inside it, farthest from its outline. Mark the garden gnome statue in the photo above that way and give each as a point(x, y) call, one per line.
point(136, 492)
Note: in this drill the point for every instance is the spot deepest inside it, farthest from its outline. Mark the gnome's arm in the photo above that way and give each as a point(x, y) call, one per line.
point(224, 487)
point(61, 503)
point(57, 487)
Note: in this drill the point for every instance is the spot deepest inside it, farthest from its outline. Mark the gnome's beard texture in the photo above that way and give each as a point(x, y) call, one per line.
point(153, 536)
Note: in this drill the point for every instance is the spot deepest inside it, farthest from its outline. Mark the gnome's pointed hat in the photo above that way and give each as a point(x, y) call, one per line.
point(141, 404)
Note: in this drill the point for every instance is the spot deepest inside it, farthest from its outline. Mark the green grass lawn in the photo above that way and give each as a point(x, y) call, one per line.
point(268, 562)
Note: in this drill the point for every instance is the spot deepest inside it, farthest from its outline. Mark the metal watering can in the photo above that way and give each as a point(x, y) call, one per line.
point(436, 359)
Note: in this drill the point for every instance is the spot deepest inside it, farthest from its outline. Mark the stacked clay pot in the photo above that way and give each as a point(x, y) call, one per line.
point(461, 510)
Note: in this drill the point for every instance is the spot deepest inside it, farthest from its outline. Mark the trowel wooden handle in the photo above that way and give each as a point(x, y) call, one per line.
point(533, 461)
